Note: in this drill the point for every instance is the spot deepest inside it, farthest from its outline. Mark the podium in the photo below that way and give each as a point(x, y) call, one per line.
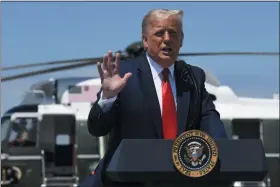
point(149, 161)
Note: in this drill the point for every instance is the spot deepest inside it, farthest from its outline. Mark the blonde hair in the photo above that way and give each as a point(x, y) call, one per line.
point(163, 13)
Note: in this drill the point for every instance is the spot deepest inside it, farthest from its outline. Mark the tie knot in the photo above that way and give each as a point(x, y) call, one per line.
point(165, 73)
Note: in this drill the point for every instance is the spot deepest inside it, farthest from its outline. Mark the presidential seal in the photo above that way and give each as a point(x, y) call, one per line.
point(194, 153)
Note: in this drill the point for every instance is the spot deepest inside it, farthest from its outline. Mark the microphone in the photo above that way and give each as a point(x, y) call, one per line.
point(187, 80)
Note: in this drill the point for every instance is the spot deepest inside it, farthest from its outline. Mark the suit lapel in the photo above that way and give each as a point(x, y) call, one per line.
point(183, 88)
point(150, 95)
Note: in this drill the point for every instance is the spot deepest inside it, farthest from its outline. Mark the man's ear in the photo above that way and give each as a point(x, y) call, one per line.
point(182, 39)
point(145, 41)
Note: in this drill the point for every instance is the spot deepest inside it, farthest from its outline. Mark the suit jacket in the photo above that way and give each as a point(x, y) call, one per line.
point(136, 112)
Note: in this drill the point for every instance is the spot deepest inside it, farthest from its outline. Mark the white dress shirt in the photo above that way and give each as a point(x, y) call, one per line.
point(156, 70)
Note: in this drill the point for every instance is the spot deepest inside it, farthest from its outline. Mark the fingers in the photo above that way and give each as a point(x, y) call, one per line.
point(117, 63)
point(105, 62)
point(110, 62)
point(109, 68)
point(100, 71)
point(127, 76)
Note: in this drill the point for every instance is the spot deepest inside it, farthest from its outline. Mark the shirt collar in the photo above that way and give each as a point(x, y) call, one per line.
point(156, 69)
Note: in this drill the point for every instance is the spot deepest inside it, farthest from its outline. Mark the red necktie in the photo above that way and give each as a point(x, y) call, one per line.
point(169, 114)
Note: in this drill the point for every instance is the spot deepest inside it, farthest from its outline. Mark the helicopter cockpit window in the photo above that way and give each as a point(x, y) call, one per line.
point(5, 122)
point(23, 133)
point(62, 139)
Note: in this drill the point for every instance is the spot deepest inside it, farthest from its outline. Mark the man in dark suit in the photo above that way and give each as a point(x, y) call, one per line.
point(149, 97)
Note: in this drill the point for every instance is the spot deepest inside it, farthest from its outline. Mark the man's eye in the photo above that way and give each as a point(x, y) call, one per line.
point(159, 33)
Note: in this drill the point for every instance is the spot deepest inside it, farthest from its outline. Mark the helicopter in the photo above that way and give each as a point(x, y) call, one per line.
point(59, 108)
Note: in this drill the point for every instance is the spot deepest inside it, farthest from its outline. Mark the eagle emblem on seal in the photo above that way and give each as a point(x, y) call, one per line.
point(194, 154)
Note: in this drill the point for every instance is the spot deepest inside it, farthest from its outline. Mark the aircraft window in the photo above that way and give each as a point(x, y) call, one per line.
point(270, 135)
point(5, 122)
point(13, 135)
point(246, 128)
point(84, 137)
point(62, 139)
point(23, 133)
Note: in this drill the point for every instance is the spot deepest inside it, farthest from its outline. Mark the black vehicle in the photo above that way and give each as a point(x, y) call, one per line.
point(48, 145)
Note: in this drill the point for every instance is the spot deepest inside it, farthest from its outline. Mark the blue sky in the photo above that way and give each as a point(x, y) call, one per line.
point(45, 31)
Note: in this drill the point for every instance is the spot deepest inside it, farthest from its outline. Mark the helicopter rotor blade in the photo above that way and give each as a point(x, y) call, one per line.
point(92, 61)
point(229, 53)
point(55, 69)
point(100, 58)
point(49, 70)
point(50, 63)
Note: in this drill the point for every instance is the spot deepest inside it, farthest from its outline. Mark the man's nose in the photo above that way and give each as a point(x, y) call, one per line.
point(166, 36)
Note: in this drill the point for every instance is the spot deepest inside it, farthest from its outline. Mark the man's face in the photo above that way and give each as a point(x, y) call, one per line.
point(163, 39)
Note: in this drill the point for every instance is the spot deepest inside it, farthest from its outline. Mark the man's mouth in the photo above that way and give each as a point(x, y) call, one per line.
point(166, 49)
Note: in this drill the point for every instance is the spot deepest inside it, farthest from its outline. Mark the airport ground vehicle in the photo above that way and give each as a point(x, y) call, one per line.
point(49, 147)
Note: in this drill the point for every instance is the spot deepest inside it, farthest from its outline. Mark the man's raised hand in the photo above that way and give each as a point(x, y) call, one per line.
point(111, 81)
